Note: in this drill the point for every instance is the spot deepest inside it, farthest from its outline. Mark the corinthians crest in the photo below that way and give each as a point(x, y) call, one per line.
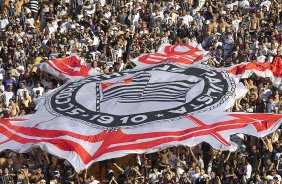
point(134, 98)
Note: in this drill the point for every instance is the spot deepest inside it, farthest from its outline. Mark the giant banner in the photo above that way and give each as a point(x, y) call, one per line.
point(111, 115)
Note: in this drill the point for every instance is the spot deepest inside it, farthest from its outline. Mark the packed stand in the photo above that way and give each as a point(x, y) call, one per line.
point(108, 34)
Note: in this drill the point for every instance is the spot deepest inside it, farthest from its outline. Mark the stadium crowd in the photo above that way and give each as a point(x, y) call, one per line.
point(108, 34)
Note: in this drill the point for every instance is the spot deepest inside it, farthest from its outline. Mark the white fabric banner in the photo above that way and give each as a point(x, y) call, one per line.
point(112, 115)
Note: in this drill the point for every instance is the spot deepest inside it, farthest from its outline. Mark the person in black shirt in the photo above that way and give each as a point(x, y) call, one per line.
point(184, 179)
point(214, 178)
point(255, 159)
point(6, 177)
point(260, 105)
point(1, 176)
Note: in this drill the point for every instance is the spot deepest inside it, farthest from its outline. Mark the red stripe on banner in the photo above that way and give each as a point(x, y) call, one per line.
point(183, 58)
point(170, 49)
point(199, 58)
point(260, 121)
point(185, 54)
point(241, 69)
point(108, 84)
point(241, 121)
point(203, 125)
point(69, 65)
point(146, 58)
point(51, 65)
point(63, 144)
point(36, 132)
point(275, 67)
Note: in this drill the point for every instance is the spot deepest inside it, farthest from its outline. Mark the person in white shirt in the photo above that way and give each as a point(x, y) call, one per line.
point(228, 44)
point(266, 4)
point(196, 175)
point(93, 180)
point(235, 22)
point(260, 58)
point(49, 28)
point(8, 95)
point(273, 174)
point(45, 40)
point(271, 106)
point(255, 44)
point(244, 4)
point(187, 17)
point(154, 176)
point(2, 88)
point(27, 10)
point(2, 73)
point(265, 91)
point(29, 20)
point(155, 16)
point(107, 13)
point(230, 6)
point(247, 169)
point(272, 52)
point(20, 92)
point(37, 88)
point(3, 22)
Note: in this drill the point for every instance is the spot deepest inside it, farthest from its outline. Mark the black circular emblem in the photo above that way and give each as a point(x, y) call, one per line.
point(137, 97)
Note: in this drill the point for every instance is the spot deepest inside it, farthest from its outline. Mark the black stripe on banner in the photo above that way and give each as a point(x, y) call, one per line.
point(124, 87)
point(98, 97)
point(143, 91)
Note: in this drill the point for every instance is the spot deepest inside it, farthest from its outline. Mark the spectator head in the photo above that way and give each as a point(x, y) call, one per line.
point(245, 160)
point(268, 161)
point(197, 169)
point(42, 181)
point(273, 172)
point(227, 167)
point(202, 172)
point(265, 181)
point(155, 169)
point(280, 158)
point(10, 88)
point(258, 177)
point(160, 177)
point(6, 171)
point(9, 74)
point(193, 165)
point(168, 167)
point(275, 178)
point(213, 174)
point(37, 84)
point(253, 148)
point(22, 85)
point(92, 178)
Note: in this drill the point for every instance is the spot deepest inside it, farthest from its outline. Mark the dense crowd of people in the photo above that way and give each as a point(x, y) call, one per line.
point(108, 34)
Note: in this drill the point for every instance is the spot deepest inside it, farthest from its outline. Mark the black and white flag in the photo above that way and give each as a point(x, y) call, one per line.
point(139, 89)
